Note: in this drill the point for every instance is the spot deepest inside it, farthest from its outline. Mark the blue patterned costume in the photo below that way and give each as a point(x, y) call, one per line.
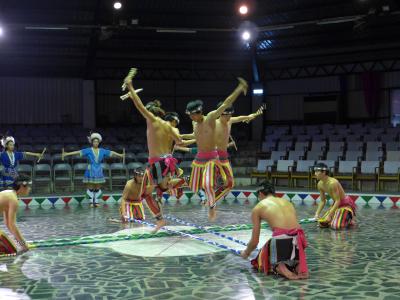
point(94, 172)
point(10, 163)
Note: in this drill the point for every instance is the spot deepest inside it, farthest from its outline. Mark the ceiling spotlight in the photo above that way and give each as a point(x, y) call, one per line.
point(246, 35)
point(243, 9)
point(117, 5)
point(1, 31)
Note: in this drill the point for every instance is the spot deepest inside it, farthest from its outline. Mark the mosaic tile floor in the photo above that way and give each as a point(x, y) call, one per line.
point(359, 264)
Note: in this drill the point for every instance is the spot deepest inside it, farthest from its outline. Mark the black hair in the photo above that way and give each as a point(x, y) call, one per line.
point(171, 116)
point(266, 188)
point(321, 167)
point(21, 180)
point(195, 105)
point(155, 108)
point(138, 170)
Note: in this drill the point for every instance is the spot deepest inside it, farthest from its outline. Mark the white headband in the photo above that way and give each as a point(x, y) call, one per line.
point(7, 139)
point(93, 136)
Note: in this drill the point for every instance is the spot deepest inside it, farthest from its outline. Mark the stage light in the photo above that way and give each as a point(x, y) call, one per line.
point(117, 5)
point(258, 91)
point(246, 35)
point(243, 9)
point(1, 31)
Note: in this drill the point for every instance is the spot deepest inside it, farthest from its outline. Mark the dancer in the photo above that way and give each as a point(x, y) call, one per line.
point(160, 137)
point(10, 158)
point(223, 134)
point(9, 208)
point(284, 252)
point(175, 186)
point(341, 214)
point(93, 176)
point(132, 198)
point(206, 160)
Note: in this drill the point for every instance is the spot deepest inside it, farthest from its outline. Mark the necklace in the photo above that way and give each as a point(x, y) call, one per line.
point(11, 157)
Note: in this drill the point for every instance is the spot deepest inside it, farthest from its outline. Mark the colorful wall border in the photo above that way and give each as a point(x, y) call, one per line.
point(242, 196)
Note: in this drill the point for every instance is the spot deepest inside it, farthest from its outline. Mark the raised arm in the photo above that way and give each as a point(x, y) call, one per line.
point(136, 99)
point(321, 203)
point(241, 88)
point(248, 118)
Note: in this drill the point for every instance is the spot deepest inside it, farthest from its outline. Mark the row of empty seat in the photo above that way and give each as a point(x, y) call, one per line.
point(355, 171)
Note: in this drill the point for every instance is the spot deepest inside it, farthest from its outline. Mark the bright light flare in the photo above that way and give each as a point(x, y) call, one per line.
point(117, 5)
point(246, 35)
point(243, 9)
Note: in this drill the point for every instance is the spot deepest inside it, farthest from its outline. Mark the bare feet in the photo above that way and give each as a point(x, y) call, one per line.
point(212, 214)
point(159, 224)
point(284, 271)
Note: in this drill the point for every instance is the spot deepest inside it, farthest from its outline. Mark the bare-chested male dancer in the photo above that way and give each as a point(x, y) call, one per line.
point(204, 126)
point(160, 136)
point(222, 136)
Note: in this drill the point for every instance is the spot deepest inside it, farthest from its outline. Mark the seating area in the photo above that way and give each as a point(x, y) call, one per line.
point(357, 153)
point(362, 156)
point(52, 174)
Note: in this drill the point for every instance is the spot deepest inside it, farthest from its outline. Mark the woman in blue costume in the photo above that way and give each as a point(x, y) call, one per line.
point(10, 158)
point(93, 176)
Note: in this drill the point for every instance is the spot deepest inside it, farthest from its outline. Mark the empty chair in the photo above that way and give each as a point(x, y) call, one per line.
point(301, 146)
point(353, 137)
point(336, 146)
point(26, 169)
point(355, 146)
point(319, 137)
point(119, 175)
point(277, 155)
point(285, 145)
point(389, 172)
point(392, 146)
point(130, 157)
point(385, 138)
point(303, 138)
point(78, 172)
point(42, 176)
point(62, 172)
point(56, 159)
point(261, 170)
point(107, 174)
point(374, 155)
point(336, 138)
point(334, 155)
point(268, 146)
point(371, 138)
point(302, 170)
point(393, 155)
point(347, 170)
point(369, 171)
point(314, 155)
point(296, 155)
point(142, 157)
point(353, 155)
point(318, 146)
point(374, 146)
point(282, 171)
point(288, 138)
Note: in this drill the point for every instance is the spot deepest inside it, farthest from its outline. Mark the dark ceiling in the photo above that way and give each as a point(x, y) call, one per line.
point(89, 38)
